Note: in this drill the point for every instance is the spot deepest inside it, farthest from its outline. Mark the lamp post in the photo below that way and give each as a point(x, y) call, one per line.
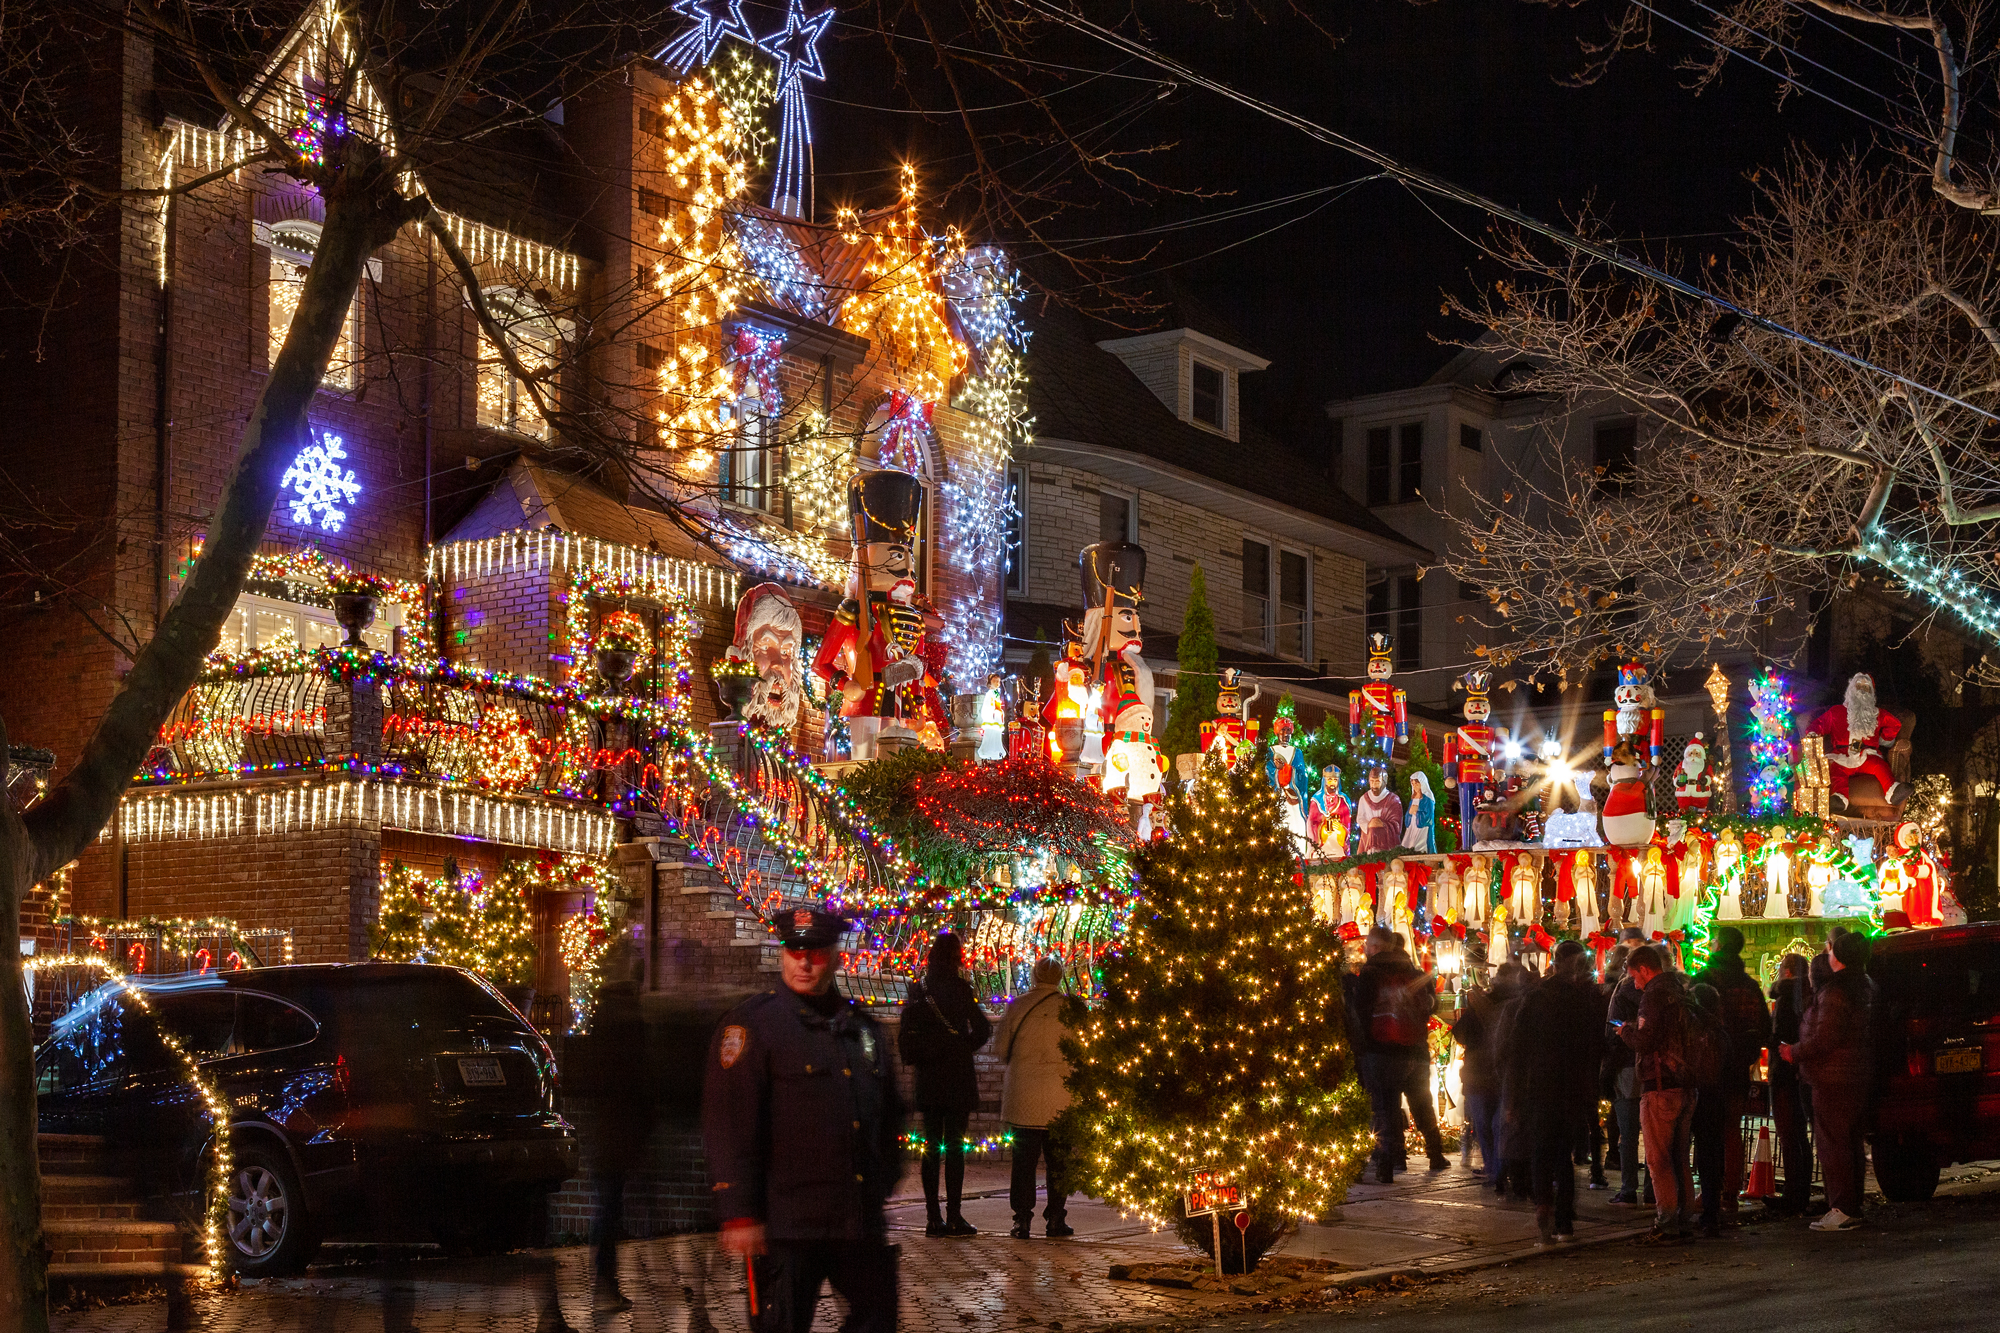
point(1717, 686)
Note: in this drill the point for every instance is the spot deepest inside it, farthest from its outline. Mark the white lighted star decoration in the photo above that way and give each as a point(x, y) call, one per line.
point(698, 45)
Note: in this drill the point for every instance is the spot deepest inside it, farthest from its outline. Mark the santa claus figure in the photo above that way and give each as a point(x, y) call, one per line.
point(768, 631)
point(1378, 814)
point(1856, 732)
point(1329, 817)
point(873, 650)
point(1692, 785)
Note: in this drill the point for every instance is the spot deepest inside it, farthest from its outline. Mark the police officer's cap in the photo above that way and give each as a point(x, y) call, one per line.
point(810, 928)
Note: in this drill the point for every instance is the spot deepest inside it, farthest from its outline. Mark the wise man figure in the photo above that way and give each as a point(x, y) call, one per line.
point(872, 652)
point(1329, 818)
point(1286, 771)
point(1856, 731)
point(1378, 814)
point(1378, 710)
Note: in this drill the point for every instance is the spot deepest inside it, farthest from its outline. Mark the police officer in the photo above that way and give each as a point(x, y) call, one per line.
point(801, 1123)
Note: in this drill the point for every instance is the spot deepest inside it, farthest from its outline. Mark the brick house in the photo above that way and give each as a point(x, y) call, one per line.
point(1141, 438)
point(275, 800)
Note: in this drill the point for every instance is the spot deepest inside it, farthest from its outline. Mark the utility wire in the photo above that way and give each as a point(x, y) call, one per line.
point(1813, 12)
point(1431, 183)
point(1796, 55)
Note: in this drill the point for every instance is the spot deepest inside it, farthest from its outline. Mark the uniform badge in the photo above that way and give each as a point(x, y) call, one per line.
point(731, 1050)
point(802, 919)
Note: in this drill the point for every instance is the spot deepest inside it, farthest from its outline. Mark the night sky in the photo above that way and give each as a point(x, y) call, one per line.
point(1347, 300)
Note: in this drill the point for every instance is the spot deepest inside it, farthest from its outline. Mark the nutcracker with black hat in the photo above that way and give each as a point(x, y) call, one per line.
point(1469, 750)
point(1378, 710)
point(872, 652)
point(1114, 578)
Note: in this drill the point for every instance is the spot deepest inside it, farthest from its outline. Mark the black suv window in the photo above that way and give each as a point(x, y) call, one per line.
point(267, 1024)
point(1957, 983)
point(201, 1021)
point(106, 1041)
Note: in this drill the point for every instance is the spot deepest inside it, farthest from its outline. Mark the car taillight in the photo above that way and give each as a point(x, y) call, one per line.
point(342, 1082)
point(1916, 1063)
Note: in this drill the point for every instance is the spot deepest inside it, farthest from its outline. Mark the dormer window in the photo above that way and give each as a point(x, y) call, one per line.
point(1208, 397)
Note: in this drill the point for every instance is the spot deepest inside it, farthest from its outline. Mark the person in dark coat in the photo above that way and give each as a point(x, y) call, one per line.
point(1790, 996)
point(801, 1123)
point(622, 1107)
point(1511, 985)
point(1477, 1078)
point(1552, 1064)
point(1621, 1071)
point(1712, 1125)
point(942, 1026)
point(1666, 1103)
point(1834, 1055)
point(1393, 1072)
point(1747, 1019)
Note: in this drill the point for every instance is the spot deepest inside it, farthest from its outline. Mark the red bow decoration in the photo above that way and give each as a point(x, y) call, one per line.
point(1673, 866)
point(905, 432)
point(1541, 939)
point(758, 356)
point(1459, 928)
point(1420, 875)
point(1299, 879)
point(1601, 941)
point(1623, 883)
point(1369, 874)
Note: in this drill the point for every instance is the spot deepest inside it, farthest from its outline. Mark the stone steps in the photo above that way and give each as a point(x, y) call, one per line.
point(93, 1223)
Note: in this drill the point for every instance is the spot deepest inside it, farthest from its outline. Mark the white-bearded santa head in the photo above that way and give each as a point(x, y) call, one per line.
point(768, 634)
point(1863, 716)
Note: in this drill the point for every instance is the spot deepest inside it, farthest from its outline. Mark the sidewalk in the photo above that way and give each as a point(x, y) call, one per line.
point(1424, 1224)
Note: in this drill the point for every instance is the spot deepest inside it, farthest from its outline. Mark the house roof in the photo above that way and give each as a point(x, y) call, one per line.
point(1082, 393)
point(534, 495)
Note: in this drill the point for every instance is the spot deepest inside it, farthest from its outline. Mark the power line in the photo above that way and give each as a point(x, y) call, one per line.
point(1812, 12)
point(1796, 55)
point(1438, 185)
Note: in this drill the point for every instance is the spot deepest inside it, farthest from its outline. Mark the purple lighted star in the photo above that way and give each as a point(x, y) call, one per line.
point(698, 44)
point(796, 47)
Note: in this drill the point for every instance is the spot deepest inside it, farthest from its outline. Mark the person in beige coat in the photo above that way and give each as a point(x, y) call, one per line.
point(1029, 1043)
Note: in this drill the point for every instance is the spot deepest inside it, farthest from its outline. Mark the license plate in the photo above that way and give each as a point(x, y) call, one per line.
point(482, 1073)
point(1958, 1062)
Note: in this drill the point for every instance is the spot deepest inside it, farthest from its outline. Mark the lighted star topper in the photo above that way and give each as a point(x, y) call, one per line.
point(319, 487)
point(697, 46)
point(796, 49)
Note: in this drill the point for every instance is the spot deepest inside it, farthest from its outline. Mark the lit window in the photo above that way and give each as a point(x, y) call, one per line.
point(292, 245)
point(747, 469)
point(505, 401)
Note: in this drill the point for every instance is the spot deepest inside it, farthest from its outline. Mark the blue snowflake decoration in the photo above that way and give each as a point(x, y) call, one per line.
point(319, 487)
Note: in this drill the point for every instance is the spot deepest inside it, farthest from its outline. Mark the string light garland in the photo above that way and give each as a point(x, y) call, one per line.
point(221, 1157)
point(1218, 1044)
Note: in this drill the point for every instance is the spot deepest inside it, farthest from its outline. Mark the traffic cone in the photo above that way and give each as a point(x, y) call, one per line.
point(1763, 1178)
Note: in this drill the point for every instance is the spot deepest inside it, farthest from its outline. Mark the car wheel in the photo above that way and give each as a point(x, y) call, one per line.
point(269, 1230)
point(1907, 1172)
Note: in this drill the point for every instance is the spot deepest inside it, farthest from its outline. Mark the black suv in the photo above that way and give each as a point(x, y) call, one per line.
point(1937, 1046)
point(360, 1095)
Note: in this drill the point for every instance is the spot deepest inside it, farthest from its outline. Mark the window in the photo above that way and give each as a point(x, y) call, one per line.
point(1615, 454)
point(1206, 398)
point(505, 401)
point(203, 1022)
point(747, 470)
point(1380, 466)
point(267, 1024)
point(1017, 529)
point(1469, 437)
point(292, 245)
point(652, 201)
point(1410, 466)
point(1395, 608)
point(261, 623)
point(1116, 521)
point(1256, 594)
point(1294, 605)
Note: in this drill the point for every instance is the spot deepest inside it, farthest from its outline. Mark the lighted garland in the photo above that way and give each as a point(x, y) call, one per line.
point(582, 940)
point(457, 921)
point(585, 584)
point(215, 1226)
point(307, 571)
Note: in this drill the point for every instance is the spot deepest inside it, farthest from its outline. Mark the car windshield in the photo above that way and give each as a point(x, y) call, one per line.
point(421, 1011)
point(1958, 982)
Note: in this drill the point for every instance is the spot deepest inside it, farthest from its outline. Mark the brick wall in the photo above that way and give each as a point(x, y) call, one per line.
point(321, 885)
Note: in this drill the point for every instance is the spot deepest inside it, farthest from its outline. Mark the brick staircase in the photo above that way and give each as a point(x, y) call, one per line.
point(94, 1225)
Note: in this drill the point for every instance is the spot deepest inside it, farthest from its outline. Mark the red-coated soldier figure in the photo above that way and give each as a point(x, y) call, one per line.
point(1469, 751)
point(1379, 710)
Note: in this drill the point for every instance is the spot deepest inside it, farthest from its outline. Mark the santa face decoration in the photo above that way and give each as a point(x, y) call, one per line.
point(768, 631)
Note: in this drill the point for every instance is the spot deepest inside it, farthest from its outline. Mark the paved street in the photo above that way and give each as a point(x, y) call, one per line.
point(1451, 1246)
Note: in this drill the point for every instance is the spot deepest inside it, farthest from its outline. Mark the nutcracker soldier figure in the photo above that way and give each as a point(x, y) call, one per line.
point(1378, 709)
point(1228, 729)
point(1638, 717)
point(1468, 751)
point(1114, 576)
point(872, 652)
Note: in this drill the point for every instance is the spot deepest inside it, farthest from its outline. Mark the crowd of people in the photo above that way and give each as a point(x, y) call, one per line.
point(1674, 1056)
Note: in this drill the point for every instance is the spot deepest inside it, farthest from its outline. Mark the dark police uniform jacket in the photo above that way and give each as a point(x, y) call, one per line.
point(801, 1121)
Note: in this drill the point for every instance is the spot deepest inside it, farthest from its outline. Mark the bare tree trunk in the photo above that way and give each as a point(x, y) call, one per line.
point(363, 213)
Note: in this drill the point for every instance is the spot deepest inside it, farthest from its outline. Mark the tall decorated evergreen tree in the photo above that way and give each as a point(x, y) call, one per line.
point(1220, 1044)
point(1195, 680)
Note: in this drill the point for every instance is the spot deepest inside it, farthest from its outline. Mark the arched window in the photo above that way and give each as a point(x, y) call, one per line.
point(292, 244)
point(505, 401)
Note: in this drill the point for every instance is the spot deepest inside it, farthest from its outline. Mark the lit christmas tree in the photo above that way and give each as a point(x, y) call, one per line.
point(1770, 744)
point(1220, 1045)
point(398, 933)
point(503, 939)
